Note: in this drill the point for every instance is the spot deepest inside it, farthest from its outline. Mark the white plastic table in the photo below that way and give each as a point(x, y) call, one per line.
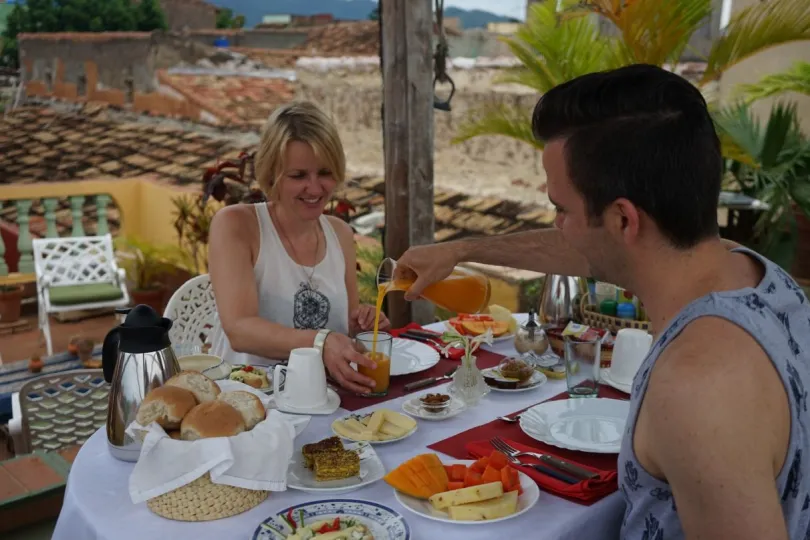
point(97, 504)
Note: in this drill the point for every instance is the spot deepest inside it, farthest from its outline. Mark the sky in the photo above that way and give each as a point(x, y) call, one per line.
point(509, 8)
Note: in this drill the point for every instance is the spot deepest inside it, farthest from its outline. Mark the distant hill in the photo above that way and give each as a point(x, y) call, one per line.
point(254, 10)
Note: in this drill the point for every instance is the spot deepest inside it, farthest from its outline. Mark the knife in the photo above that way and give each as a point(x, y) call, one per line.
point(424, 333)
point(429, 381)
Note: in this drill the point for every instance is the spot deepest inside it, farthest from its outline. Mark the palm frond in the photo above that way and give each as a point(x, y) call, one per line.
point(500, 119)
point(760, 26)
point(740, 133)
point(553, 51)
point(652, 32)
point(796, 79)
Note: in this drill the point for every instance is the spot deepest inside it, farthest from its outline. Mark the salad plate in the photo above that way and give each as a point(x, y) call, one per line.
point(370, 521)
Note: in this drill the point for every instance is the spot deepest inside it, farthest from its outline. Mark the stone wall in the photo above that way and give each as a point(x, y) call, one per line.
point(123, 61)
point(190, 14)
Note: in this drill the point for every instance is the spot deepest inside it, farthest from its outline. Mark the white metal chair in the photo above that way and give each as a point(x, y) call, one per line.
point(76, 273)
point(194, 311)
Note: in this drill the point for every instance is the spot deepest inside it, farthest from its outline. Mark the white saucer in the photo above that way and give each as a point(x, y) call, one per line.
point(621, 387)
point(414, 408)
point(331, 405)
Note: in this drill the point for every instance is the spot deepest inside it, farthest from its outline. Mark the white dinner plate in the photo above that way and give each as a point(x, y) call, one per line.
point(359, 417)
point(537, 379)
point(303, 479)
point(414, 408)
point(584, 424)
point(409, 356)
point(531, 493)
point(383, 522)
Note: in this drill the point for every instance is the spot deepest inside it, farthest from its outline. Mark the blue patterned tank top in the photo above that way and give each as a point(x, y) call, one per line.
point(777, 314)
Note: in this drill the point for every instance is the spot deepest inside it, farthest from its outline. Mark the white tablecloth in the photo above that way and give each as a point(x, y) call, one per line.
point(97, 504)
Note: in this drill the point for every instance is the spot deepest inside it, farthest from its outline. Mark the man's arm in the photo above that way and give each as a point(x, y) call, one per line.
point(542, 250)
point(715, 423)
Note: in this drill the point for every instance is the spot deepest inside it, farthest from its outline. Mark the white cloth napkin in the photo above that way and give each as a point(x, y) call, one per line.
point(257, 459)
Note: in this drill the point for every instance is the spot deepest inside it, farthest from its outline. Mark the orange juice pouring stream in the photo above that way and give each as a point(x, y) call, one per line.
point(461, 292)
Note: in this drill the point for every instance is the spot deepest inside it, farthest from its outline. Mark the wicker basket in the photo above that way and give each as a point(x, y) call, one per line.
point(557, 343)
point(202, 500)
point(592, 317)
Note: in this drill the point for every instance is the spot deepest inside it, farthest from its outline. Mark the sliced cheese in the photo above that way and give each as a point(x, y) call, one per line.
point(345, 431)
point(376, 421)
point(401, 420)
point(503, 506)
point(392, 431)
point(467, 495)
point(355, 424)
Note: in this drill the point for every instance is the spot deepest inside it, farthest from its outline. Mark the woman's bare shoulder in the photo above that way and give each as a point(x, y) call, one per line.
point(343, 230)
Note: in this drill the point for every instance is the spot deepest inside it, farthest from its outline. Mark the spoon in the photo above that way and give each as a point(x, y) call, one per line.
point(511, 420)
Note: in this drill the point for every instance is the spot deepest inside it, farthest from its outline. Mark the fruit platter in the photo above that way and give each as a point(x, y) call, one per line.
point(464, 492)
point(499, 321)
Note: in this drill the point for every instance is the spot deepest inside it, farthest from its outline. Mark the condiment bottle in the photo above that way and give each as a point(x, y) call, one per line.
point(608, 307)
point(626, 310)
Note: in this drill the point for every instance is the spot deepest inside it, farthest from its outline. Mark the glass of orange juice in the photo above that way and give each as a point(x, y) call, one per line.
point(380, 352)
point(463, 291)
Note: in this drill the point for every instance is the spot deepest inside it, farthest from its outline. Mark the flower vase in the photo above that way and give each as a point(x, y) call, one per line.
point(468, 382)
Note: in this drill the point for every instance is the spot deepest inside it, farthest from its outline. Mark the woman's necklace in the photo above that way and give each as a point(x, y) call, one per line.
point(311, 274)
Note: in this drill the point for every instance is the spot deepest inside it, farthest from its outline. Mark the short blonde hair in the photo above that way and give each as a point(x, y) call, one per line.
point(297, 121)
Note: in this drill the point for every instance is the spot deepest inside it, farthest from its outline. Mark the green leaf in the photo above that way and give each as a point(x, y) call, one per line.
point(499, 119)
point(796, 79)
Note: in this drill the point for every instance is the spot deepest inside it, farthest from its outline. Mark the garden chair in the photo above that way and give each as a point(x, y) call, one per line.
point(76, 273)
point(193, 310)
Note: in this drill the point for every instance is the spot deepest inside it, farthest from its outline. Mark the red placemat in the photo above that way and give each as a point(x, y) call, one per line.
point(351, 401)
point(456, 446)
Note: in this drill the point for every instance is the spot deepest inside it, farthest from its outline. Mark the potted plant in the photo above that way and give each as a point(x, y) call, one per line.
point(10, 303)
point(145, 265)
point(772, 164)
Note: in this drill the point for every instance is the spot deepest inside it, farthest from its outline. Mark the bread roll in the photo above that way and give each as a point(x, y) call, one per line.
point(211, 419)
point(203, 388)
point(174, 434)
point(166, 405)
point(248, 405)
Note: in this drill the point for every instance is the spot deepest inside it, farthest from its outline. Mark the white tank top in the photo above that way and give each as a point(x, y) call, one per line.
point(285, 296)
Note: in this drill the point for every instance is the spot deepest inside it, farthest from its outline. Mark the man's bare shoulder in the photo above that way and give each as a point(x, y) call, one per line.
point(716, 373)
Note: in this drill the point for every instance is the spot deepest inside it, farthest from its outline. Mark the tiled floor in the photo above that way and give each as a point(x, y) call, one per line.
point(22, 346)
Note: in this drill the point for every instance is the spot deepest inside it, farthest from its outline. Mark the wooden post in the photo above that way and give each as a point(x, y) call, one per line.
point(408, 134)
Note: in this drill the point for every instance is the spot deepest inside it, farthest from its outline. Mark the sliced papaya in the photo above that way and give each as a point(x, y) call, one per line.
point(457, 472)
point(472, 478)
point(451, 486)
point(498, 460)
point(491, 474)
point(481, 465)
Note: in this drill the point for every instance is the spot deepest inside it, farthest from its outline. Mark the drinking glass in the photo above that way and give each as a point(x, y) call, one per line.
point(463, 291)
point(582, 367)
point(381, 354)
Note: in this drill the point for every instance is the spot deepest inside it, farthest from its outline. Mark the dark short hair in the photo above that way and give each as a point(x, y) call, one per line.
point(641, 133)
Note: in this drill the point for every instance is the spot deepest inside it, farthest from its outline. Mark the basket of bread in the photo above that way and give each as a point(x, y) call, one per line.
point(210, 449)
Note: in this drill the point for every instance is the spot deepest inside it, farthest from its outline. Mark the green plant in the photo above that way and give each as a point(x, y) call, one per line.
point(776, 170)
point(796, 79)
point(368, 260)
point(192, 223)
point(557, 45)
point(146, 263)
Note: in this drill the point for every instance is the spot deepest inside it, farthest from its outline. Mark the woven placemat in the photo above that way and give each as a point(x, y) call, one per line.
point(202, 500)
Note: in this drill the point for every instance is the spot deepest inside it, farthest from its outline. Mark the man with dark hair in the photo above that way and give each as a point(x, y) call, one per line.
point(717, 443)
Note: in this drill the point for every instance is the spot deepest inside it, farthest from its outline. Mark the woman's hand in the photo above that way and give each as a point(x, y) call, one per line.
point(338, 352)
point(362, 319)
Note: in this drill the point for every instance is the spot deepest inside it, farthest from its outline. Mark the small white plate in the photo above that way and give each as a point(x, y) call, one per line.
point(583, 424)
point(331, 405)
point(303, 479)
point(537, 379)
point(268, 371)
point(409, 356)
point(621, 387)
point(383, 522)
point(531, 493)
point(414, 407)
point(358, 417)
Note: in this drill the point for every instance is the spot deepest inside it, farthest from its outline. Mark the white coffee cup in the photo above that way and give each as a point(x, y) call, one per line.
point(629, 351)
point(304, 381)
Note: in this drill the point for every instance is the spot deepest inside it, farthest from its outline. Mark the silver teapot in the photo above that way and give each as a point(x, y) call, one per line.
point(136, 357)
point(559, 300)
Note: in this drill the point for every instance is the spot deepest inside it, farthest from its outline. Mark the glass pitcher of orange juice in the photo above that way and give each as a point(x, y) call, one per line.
point(463, 291)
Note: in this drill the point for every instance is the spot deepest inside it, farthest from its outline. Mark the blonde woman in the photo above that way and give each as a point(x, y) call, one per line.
point(284, 274)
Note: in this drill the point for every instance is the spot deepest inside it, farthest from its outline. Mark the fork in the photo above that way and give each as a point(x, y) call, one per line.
point(514, 454)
